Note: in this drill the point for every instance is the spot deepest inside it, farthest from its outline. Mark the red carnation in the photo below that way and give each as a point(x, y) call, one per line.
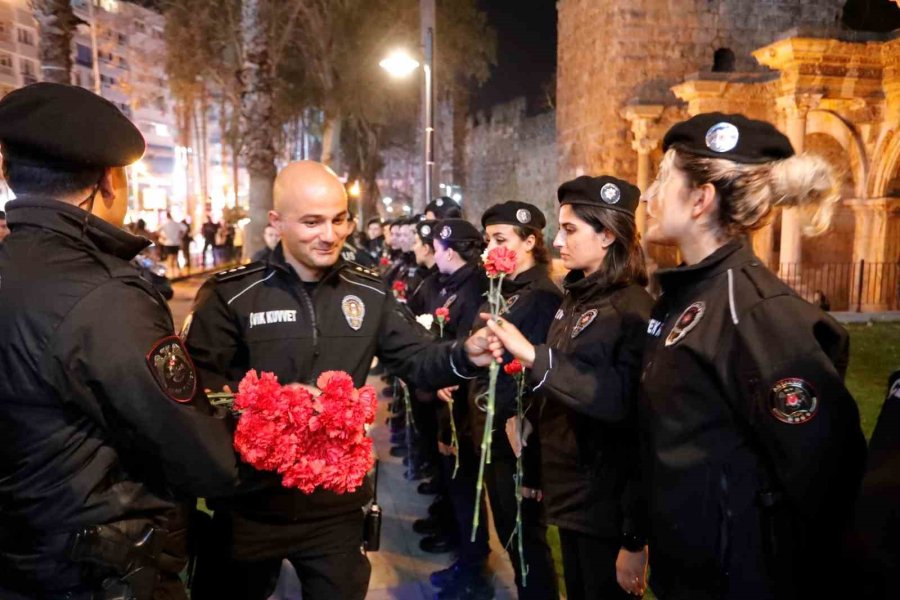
point(500, 260)
point(385, 261)
point(514, 367)
point(442, 313)
point(399, 286)
point(313, 442)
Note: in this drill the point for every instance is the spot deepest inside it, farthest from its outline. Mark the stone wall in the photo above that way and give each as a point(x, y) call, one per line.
point(612, 53)
point(510, 155)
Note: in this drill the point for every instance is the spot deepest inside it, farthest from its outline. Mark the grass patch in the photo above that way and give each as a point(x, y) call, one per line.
point(874, 355)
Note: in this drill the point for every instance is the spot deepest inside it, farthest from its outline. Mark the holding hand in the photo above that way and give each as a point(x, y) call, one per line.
point(446, 394)
point(477, 348)
point(505, 336)
point(517, 433)
point(631, 571)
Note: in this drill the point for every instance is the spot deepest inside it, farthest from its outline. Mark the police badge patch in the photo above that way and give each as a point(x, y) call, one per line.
point(510, 301)
point(523, 216)
point(586, 319)
point(354, 311)
point(450, 301)
point(687, 321)
point(172, 368)
point(610, 193)
point(793, 401)
point(445, 232)
point(722, 137)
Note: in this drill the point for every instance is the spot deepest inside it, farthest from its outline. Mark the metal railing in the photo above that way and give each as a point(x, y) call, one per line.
point(857, 286)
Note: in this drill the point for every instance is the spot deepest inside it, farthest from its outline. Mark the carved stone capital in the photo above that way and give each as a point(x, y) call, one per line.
point(642, 117)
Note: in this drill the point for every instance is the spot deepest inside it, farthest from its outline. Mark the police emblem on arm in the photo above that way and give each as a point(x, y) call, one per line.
point(687, 321)
point(793, 401)
point(172, 368)
point(586, 319)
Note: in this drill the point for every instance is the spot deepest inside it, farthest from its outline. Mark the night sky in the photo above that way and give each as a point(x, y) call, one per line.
point(526, 52)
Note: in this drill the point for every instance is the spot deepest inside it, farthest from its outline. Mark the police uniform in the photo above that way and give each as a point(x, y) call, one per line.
point(587, 375)
point(264, 317)
point(444, 207)
point(427, 283)
point(461, 293)
point(102, 421)
point(532, 300)
point(753, 450)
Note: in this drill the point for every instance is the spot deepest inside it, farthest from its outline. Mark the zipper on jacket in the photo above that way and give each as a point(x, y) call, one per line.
point(306, 300)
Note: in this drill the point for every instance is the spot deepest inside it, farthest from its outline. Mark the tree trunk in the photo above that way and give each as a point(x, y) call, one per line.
point(257, 115)
point(56, 27)
point(331, 141)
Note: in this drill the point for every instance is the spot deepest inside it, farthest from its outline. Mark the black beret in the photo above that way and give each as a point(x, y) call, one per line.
point(732, 137)
point(66, 126)
point(441, 206)
point(512, 212)
point(425, 230)
point(457, 230)
point(608, 192)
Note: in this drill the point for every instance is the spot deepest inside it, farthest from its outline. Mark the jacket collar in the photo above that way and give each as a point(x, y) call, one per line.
point(730, 255)
point(277, 261)
point(456, 279)
point(524, 279)
point(584, 288)
point(75, 223)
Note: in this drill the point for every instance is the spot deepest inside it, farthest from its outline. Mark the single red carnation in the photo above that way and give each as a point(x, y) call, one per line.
point(384, 261)
point(500, 260)
point(442, 313)
point(514, 367)
point(399, 286)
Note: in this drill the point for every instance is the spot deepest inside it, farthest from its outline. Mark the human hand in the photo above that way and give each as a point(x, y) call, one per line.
point(506, 335)
point(532, 494)
point(517, 434)
point(477, 348)
point(446, 394)
point(631, 571)
point(445, 449)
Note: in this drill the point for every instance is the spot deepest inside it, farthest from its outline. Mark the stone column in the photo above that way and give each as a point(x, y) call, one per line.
point(795, 108)
point(642, 117)
point(875, 227)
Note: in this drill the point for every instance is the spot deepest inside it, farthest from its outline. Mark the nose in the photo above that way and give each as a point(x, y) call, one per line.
point(560, 240)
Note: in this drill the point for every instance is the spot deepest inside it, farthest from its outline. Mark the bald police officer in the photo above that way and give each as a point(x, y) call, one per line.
point(102, 423)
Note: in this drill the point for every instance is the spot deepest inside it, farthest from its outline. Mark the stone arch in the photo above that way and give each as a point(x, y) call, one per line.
point(832, 124)
point(887, 168)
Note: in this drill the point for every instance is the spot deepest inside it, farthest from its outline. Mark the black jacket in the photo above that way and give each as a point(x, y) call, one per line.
point(418, 299)
point(743, 405)
point(263, 317)
point(93, 429)
point(587, 373)
point(532, 302)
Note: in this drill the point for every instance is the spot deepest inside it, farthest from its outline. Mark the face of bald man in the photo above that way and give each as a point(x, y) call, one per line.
point(311, 215)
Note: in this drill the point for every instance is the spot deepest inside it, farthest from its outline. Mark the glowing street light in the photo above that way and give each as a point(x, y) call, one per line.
point(399, 63)
point(354, 190)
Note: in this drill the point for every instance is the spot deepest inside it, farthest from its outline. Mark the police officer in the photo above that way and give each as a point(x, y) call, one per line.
point(753, 447)
point(102, 420)
point(532, 301)
point(302, 313)
point(442, 208)
point(587, 373)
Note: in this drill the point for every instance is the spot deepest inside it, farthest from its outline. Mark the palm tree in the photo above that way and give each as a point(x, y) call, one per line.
point(56, 25)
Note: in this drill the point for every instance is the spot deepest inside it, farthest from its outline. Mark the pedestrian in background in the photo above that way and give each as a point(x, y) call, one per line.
point(753, 451)
point(171, 234)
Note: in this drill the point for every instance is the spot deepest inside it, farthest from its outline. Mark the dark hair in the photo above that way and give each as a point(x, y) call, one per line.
point(469, 250)
point(374, 220)
point(624, 260)
point(540, 252)
point(28, 178)
point(2, 215)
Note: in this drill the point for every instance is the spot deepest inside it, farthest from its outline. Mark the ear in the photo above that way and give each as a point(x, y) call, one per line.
point(703, 200)
point(275, 220)
point(113, 184)
point(530, 242)
point(606, 238)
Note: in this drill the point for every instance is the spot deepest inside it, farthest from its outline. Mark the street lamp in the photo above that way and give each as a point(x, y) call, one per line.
point(399, 64)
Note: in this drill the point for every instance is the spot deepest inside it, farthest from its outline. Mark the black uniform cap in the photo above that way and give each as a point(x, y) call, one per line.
point(605, 191)
point(66, 126)
point(457, 230)
point(732, 137)
point(425, 230)
point(516, 213)
point(440, 206)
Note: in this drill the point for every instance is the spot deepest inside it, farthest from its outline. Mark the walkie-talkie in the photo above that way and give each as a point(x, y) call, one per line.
point(372, 531)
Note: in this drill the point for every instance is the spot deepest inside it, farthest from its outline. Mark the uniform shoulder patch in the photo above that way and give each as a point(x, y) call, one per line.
point(687, 321)
point(793, 401)
point(173, 369)
point(237, 272)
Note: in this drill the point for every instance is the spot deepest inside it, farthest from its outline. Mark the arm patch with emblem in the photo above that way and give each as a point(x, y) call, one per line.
point(173, 369)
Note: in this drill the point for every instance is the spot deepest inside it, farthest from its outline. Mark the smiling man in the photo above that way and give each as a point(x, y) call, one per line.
point(303, 312)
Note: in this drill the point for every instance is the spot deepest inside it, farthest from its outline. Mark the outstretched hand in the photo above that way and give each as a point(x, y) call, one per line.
point(478, 348)
point(506, 337)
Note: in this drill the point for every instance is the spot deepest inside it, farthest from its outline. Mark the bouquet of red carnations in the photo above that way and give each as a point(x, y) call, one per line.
point(312, 441)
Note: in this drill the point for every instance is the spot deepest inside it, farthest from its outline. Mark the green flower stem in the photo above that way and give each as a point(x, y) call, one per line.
point(520, 412)
point(454, 441)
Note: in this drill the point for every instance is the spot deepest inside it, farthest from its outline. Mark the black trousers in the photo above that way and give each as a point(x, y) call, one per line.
point(462, 497)
point(330, 565)
point(500, 481)
point(589, 565)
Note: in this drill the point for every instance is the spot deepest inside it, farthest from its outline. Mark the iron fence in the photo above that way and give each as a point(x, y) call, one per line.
point(857, 286)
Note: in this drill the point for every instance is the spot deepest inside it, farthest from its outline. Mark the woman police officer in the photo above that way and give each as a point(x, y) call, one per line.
point(587, 374)
point(752, 445)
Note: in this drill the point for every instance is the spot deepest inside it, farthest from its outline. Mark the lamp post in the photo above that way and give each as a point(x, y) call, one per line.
point(400, 64)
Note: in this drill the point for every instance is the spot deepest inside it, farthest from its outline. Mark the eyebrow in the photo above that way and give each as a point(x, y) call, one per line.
point(345, 213)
